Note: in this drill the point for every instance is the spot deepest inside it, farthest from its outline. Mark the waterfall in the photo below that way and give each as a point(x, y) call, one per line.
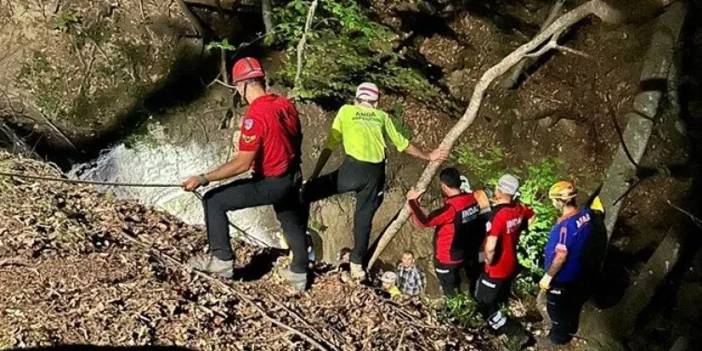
point(155, 160)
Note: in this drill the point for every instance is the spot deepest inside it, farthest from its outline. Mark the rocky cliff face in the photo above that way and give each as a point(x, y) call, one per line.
point(74, 72)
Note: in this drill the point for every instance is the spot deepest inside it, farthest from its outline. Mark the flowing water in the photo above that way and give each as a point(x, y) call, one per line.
point(154, 160)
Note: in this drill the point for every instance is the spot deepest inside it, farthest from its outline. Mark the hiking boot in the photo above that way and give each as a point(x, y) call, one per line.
point(208, 263)
point(298, 281)
point(357, 272)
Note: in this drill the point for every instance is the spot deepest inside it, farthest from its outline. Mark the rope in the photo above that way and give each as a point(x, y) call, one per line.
point(91, 182)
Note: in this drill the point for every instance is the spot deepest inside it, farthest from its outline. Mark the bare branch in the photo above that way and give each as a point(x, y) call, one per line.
point(693, 218)
point(224, 84)
point(513, 78)
point(303, 41)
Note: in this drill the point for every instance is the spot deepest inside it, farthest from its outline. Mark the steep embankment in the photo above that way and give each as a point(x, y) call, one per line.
point(77, 267)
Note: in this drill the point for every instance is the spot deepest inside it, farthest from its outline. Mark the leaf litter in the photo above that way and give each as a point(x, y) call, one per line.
point(77, 267)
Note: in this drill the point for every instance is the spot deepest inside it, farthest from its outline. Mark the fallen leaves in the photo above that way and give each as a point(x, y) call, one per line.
point(79, 268)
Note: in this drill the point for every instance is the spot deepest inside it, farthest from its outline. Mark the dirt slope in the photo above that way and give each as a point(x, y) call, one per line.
point(70, 274)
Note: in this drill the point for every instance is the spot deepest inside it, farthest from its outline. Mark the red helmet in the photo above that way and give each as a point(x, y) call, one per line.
point(247, 68)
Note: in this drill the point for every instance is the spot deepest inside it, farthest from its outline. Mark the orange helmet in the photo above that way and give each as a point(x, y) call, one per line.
point(563, 190)
point(247, 68)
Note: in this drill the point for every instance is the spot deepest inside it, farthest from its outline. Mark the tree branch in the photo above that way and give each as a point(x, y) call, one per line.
point(549, 34)
point(513, 78)
point(303, 41)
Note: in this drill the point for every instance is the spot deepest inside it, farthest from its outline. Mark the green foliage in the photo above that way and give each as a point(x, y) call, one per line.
point(537, 179)
point(344, 48)
point(39, 77)
point(485, 167)
point(461, 310)
point(65, 19)
point(221, 45)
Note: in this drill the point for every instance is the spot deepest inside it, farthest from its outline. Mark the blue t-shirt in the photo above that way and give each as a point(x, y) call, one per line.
point(572, 232)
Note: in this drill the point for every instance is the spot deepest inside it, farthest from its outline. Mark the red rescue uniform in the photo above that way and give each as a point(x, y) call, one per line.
point(507, 223)
point(454, 223)
point(271, 128)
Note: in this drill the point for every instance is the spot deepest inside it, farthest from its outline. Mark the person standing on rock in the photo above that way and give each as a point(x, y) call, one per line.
point(362, 129)
point(269, 145)
point(566, 280)
point(457, 223)
point(509, 219)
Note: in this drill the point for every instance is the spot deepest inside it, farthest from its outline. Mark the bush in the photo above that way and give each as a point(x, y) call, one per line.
point(486, 167)
point(344, 48)
point(461, 310)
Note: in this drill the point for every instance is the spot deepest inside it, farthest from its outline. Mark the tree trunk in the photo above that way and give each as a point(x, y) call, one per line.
point(302, 43)
point(621, 174)
point(267, 17)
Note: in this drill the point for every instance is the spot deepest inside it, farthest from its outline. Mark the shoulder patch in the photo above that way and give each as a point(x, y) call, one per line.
point(248, 138)
point(248, 123)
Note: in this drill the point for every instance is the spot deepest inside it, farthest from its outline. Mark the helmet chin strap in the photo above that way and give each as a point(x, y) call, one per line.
point(246, 86)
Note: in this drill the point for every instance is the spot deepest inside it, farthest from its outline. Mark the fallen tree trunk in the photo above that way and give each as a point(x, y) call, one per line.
point(539, 45)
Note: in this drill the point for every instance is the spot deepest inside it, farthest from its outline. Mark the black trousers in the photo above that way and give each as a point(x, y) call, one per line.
point(473, 270)
point(365, 179)
point(449, 278)
point(490, 294)
point(564, 303)
point(281, 192)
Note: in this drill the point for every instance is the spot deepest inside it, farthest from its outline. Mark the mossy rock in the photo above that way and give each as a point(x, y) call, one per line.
point(87, 66)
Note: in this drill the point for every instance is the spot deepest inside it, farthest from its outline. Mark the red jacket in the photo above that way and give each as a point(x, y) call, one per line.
point(455, 223)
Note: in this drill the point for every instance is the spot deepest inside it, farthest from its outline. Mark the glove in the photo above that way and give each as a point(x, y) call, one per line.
point(545, 282)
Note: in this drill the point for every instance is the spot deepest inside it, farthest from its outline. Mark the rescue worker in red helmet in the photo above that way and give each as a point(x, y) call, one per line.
point(269, 145)
point(361, 129)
